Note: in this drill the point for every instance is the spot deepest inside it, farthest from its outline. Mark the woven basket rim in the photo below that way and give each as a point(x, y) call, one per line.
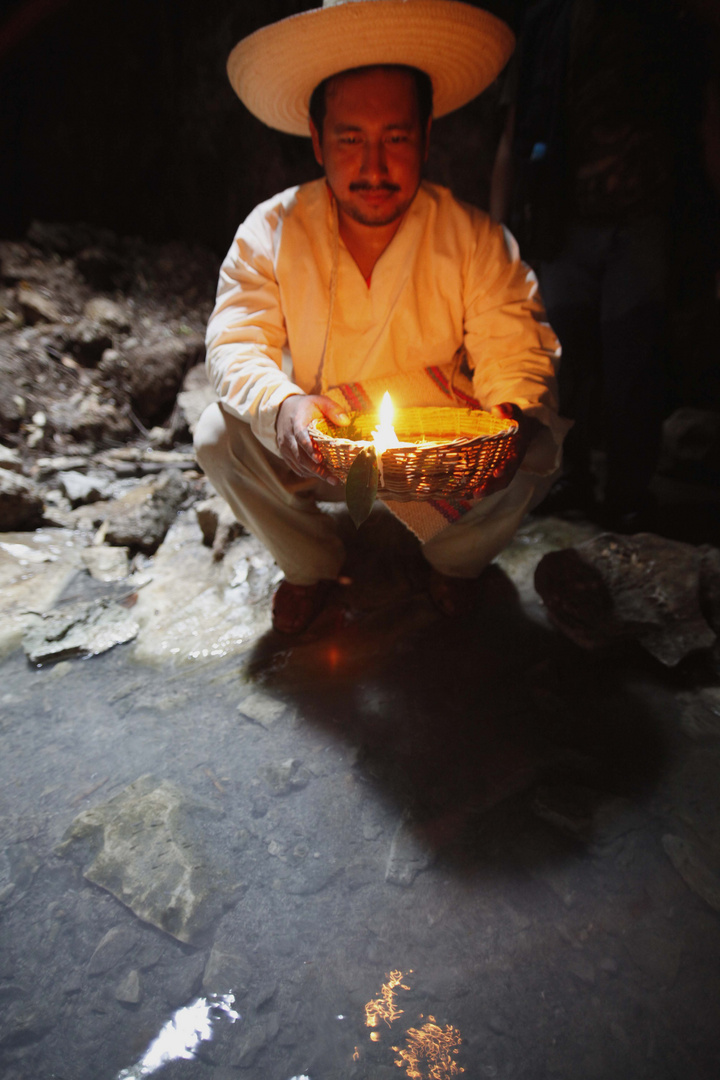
point(450, 464)
point(508, 430)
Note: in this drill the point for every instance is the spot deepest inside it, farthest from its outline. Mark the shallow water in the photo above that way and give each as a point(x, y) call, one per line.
point(440, 845)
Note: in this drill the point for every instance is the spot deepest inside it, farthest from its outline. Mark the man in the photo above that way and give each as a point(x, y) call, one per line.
point(369, 280)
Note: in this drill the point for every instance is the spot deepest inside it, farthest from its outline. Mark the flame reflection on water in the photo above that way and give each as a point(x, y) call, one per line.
point(384, 1007)
point(429, 1052)
point(432, 1047)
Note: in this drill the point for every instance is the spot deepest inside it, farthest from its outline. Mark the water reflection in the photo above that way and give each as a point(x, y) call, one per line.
point(180, 1038)
point(429, 1051)
point(384, 1006)
point(426, 1052)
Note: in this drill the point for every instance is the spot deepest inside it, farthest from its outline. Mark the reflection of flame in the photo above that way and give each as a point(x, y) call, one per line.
point(384, 435)
point(429, 1052)
point(384, 1007)
point(333, 657)
point(432, 1047)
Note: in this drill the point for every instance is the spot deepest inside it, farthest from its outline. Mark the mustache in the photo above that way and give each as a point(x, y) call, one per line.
point(384, 185)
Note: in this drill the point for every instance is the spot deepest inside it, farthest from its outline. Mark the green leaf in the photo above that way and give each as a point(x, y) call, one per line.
point(362, 484)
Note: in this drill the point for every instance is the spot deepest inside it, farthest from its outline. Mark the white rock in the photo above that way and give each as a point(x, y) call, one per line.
point(35, 307)
point(82, 488)
point(102, 310)
point(34, 570)
point(79, 630)
point(106, 563)
point(262, 709)
point(10, 459)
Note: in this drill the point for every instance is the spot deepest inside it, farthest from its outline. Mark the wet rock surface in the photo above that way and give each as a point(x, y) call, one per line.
point(79, 630)
point(146, 851)
point(140, 519)
point(509, 844)
point(525, 834)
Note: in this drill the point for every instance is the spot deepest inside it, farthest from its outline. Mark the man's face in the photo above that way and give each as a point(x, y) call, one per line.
point(372, 147)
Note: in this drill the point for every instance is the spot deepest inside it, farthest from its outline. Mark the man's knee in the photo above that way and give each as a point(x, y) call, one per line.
point(211, 438)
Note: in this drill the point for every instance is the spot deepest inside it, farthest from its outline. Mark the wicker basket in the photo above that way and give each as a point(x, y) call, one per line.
point(453, 451)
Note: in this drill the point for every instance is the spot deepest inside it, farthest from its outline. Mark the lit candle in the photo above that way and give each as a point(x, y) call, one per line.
point(384, 436)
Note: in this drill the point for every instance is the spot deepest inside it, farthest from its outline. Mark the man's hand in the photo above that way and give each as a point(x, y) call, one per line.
point(293, 419)
point(528, 427)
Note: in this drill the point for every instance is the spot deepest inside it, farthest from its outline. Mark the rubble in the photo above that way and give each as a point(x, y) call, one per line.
point(36, 308)
point(82, 488)
point(129, 990)
point(662, 593)
point(146, 850)
point(10, 459)
point(219, 527)
point(79, 630)
point(21, 503)
point(227, 971)
point(140, 519)
point(109, 313)
point(156, 371)
point(91, 317)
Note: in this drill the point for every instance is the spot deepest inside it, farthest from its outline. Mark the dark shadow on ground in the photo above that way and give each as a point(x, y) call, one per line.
point(461, 723)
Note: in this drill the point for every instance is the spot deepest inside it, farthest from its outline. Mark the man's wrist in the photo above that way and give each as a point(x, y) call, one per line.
point(279, 408)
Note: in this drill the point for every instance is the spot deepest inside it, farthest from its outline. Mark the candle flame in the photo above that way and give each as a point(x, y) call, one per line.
point(384, 436)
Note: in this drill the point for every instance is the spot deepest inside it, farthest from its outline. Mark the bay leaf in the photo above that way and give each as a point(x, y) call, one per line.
point(361, 485)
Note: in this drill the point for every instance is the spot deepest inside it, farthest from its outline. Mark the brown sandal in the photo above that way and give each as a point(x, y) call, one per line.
point(295, 606)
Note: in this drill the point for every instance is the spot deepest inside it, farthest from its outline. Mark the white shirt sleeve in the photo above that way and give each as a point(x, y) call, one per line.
point(246, 335)
point(512, 350)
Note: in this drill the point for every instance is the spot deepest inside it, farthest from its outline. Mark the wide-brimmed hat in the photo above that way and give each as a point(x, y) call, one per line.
point(275, 70)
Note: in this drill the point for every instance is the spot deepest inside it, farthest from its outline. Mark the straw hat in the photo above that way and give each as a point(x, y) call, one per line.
point(275, 70)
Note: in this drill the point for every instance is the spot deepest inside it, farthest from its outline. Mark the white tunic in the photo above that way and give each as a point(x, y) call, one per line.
point(295, 315)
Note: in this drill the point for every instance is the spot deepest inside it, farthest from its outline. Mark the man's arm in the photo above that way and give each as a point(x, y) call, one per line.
point(247, 342)
point(513, 351)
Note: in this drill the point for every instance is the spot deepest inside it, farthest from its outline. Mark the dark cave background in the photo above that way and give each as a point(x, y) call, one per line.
point(122, 116)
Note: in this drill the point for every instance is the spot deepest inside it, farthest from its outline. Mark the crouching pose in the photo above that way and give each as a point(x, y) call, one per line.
point(368, 280)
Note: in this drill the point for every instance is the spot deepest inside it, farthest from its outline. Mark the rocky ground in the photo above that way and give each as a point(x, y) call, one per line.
point(398, 846)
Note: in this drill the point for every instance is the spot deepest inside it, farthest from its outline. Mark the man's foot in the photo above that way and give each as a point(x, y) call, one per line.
point(452, 596)
point(295, 606)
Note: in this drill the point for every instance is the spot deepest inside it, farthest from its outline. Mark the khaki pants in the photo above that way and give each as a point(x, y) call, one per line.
point(280, 508)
